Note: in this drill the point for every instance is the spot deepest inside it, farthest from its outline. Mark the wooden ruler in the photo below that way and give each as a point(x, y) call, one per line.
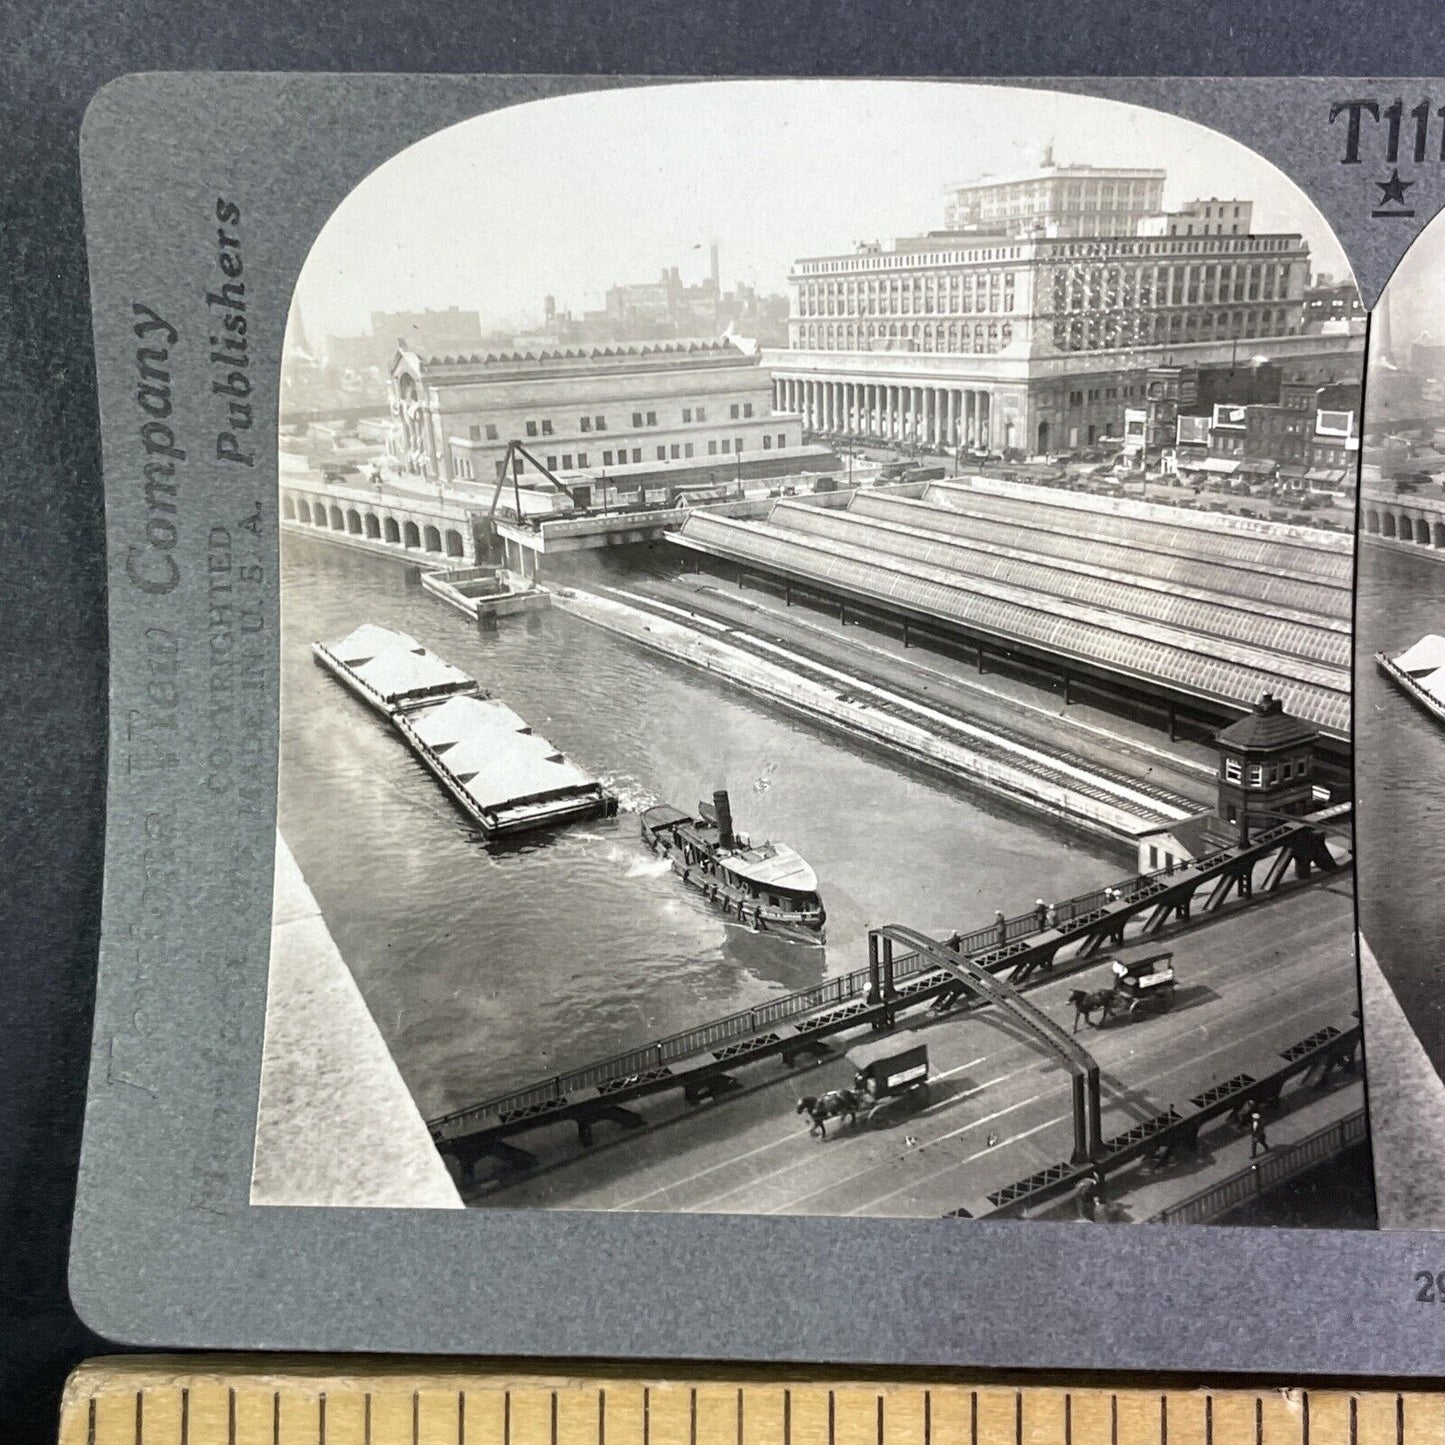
point(262, 1400)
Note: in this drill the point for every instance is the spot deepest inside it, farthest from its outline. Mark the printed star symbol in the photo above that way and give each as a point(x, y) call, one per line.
point(1392, 192)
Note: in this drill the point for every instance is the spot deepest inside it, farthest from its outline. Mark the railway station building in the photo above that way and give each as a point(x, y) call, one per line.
point(1153, 612)
point(1031, 323)
point(629, 405)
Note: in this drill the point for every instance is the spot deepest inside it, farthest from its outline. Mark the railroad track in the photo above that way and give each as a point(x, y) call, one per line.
point(895, 700)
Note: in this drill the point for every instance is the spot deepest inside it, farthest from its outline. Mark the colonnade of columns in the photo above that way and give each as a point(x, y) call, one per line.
point(939, 416)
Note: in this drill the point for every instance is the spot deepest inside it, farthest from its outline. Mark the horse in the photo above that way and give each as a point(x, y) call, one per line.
point(1087, 1004)
point(835, 1102)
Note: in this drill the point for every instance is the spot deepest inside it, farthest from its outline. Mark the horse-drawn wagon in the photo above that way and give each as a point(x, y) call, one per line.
point(1140, 986)
point(884, 1073)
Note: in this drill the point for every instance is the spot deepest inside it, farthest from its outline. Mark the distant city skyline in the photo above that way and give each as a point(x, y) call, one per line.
point(571, 195)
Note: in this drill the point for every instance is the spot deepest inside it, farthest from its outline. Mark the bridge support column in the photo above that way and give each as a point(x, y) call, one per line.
point(880, 969)
point(1081, 1128)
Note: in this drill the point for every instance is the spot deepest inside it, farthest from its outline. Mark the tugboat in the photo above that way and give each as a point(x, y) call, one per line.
point(764, 885)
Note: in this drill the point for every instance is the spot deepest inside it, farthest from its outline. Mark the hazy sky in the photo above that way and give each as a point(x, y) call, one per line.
point(1416, 290)
point(571, 195)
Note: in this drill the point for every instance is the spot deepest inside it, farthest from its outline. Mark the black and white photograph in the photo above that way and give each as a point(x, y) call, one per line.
point(1400, 719)
point(815, 667)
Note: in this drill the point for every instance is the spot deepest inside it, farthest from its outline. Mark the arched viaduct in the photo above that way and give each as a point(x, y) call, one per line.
point(1416, 520)
point(381, 520)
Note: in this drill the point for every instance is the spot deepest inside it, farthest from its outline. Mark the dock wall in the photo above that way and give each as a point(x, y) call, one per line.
point(844, 710)
point(337, 1125)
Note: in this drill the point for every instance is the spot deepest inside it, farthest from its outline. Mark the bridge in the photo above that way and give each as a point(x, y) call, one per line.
point(976, 979)
point(1415, 519)
point(1265, 987)
point(387, 517)
point(701, 1062)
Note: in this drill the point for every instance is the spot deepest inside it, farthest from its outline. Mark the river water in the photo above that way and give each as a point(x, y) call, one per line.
point(487, 967)
point(1399, 772)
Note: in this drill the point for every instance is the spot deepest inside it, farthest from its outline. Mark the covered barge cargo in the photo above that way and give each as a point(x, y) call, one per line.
point(504, 776)
point(1419, 672)
point(392, 671)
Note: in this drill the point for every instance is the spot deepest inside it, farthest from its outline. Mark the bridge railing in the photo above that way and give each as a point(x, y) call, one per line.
point(620, 1068)
point(687, 1043)
point(1275, 1168)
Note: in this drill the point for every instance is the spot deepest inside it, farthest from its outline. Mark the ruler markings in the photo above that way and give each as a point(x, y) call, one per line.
point(1044, 1417)
point(159, 1405)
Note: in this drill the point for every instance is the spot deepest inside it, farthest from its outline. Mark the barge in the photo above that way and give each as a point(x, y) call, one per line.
point(504, 776)
point(486, 593)
point(392, 671)
point(766, 886)
point(1419, 672)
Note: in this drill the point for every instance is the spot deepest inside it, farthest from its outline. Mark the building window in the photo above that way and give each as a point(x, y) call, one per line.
point(491, 432)
point(676, 451)
point(747, 408)
point(600, 423)
point(1256, 775)
point(1153, 857)
point(782, 439)
point(738, 444)
point(652, 418)
point(733, 411)
point(531, 428)
point(606, 459)
point(581, 459)
point(767, 443)
point(476, 433)
point(637, 418)
point(546, 428)
point(551, 464)
point(584, 423)
point(712, 449)
point(702, 413)
point(687, 449)
point(1231, 770)
point(636, 454)
point(727, 446)
point(566, 461)
point(687, 413)
point(662, 454)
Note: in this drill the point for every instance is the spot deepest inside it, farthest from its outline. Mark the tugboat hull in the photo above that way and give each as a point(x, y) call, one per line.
point(721, 874)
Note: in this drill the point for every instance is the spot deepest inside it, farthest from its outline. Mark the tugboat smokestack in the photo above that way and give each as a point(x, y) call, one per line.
point(724, 818)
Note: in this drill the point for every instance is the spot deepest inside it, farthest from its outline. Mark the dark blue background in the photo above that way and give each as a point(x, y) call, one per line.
point(53, 57)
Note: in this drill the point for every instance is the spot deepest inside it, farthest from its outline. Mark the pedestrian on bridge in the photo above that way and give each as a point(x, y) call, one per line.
point(1041, 914)
point(1258, 1144)
point(1000, 927)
